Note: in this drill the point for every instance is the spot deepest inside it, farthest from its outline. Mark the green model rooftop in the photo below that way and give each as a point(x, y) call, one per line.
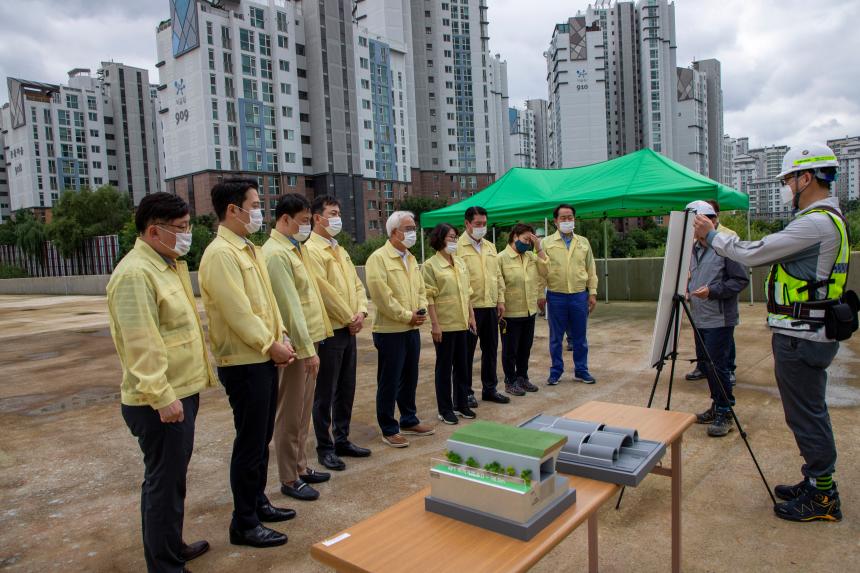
point(532, 443)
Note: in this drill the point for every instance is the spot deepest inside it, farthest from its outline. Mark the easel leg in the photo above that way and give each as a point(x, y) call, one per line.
point(674, 355)
point(676, 505)
point(592, 543)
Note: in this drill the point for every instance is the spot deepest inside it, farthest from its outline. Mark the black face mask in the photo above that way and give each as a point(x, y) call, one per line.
point(522, 247)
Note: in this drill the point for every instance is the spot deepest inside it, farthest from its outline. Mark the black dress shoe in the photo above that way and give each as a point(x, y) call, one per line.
point(313, 476)
point(471, 401)
point(495, 397)
point(331, 461)
point(193, 551)
point(300, 490)
point(260, 536)
point(270, 514)
point(350, 450)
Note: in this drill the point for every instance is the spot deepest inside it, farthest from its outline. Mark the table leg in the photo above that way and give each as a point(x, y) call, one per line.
point(592, 543)
point(676, 505)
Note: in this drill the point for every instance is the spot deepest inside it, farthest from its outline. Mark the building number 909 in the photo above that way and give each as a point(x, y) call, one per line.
point(181, 116)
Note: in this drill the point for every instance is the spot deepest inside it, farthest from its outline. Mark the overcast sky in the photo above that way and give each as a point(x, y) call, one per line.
point(790, 67)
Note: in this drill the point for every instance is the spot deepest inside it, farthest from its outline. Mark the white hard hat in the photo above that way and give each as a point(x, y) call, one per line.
point(807, 156)
point(702, 208)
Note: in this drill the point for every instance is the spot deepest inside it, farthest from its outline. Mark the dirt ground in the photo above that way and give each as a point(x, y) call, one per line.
point(70, 471)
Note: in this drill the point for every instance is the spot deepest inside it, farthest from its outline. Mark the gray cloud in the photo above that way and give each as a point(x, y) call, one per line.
point(789, 66)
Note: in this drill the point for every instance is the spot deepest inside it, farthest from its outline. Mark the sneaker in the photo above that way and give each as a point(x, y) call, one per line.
point(696, 374)
point(396, 441)
point(417, 430)
point(721, 425)
point(526, 385)
point(551, 381)
point(465, 413)
point(585, 378)
point(811, 505)
point(471, 401)
point(494, 396)
point(790, 492)
point(514, 389)
point(708, 416)
point(448, 418)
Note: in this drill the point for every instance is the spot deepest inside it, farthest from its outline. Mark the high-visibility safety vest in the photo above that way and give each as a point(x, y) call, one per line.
point(792, 302)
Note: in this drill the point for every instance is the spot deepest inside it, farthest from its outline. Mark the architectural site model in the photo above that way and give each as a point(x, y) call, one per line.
point(501, 478)
point(600, 452)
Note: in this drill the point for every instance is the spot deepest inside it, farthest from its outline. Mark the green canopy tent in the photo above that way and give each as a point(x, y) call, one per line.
point(639, 184)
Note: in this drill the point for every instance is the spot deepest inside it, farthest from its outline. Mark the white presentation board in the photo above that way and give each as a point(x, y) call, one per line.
point(676, 265)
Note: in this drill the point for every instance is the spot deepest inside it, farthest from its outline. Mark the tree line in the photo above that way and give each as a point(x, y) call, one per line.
point(80, 215)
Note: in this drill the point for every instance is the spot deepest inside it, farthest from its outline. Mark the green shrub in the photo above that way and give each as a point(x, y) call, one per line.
point(12, 272)
point(454, 457)
point(472, 462)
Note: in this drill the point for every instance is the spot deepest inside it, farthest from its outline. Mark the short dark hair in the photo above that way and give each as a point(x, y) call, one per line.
point(320, 203)
point(438, 235)
point(519, 229)
point(159, 207)
point(563, 206)
point(290, 204)
point(472, 211)
point(230, 192)
point(715, 204)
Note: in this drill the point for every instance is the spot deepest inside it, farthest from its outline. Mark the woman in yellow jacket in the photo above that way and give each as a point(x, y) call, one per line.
point(446, 281)
point(523, 275)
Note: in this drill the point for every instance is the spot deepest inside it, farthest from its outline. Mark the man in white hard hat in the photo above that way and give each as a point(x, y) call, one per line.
point(713, 289)
point(809, 261)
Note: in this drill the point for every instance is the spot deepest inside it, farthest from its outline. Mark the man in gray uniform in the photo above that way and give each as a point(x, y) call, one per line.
point(809, 261)
point(715, 282)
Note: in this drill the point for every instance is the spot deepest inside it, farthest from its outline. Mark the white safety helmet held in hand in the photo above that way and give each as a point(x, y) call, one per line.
point(807, 156)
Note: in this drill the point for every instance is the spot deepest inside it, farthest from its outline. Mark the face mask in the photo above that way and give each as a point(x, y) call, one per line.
point(409, 239)
point(335, 224)
point(566, 227)
point(478, 233)
point(785, 195)
point(304, 233)
point(451, 247)
point(183, 242)
point(522, 247)
point(256, 220)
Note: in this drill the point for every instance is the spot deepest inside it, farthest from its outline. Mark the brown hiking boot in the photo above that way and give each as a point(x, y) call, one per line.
point(417, 430)
point(396, 441)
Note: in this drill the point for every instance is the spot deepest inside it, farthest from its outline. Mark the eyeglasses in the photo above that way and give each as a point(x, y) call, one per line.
point(180, 228)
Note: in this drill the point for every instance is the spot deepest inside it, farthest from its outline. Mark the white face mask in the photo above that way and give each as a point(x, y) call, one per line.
point(566, 227)
point(183, 242)
point(451, 247)
point(409, 239)
point(785, 195)
point(478, 233)
point(256, 220)
point(335, 225)
point(304, 233)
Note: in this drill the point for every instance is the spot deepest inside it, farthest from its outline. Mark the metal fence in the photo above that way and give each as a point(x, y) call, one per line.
point(97, 256)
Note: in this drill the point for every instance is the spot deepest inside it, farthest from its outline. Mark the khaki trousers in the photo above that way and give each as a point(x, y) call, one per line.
point(293, 420)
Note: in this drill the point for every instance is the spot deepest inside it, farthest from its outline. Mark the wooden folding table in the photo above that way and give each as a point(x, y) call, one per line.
point(406, 533)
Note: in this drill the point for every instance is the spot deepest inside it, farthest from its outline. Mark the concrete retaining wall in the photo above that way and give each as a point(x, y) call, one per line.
point(629, 279)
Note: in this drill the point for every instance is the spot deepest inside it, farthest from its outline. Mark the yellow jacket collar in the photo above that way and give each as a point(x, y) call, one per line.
point(393, 252)
point(319, 240)
point(282, 239)
point(443, 262)
point(150, 254)
point(232, 238)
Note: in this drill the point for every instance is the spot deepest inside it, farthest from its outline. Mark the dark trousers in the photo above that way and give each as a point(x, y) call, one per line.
point(718, 343)
point(451, 362)
point(253, 393)
point(801, 376)
point(517, 342)
point(335, 391)
point(487, 323)
point(568, 314)
point(166, 452)
point(396, 379)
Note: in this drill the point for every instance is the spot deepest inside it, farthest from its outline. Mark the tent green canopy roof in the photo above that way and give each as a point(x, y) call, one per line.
point(639, 184)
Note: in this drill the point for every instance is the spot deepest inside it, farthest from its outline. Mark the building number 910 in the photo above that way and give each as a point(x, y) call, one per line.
point(181, 116)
